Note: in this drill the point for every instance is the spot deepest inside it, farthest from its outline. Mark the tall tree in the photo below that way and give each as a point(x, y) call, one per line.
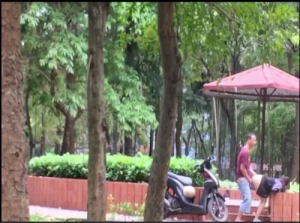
point(179, 121)
point(295, 168)
point(171, 65)
point(97, 13)
point(55, 43)
point(15, 203)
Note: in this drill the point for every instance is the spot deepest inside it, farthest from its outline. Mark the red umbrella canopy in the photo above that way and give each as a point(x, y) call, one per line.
point(265, 82)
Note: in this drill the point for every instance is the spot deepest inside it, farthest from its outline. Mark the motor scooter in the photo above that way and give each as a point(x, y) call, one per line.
point(180, 195)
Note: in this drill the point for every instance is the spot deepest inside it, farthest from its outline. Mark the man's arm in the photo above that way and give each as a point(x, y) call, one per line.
point(245, 173)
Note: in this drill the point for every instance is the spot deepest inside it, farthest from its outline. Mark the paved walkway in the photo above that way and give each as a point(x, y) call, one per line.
point(59, 213)
point(72, 214)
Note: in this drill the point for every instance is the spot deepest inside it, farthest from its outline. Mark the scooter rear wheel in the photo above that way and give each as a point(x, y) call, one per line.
point(214, 212)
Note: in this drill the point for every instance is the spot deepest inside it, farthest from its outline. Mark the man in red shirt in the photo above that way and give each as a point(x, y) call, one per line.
point(244, 175)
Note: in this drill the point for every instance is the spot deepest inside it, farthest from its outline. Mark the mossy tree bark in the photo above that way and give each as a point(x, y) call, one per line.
point(168, 111)
point(15, 203)
point(97, 12)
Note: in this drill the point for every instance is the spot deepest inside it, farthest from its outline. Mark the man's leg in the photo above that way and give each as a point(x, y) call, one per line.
point(260, 208)
point(245, 206)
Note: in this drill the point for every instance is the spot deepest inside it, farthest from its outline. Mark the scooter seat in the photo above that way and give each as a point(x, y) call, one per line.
point(186, 181)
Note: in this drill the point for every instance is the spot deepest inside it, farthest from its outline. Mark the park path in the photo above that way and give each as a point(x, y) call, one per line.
point(58, 213)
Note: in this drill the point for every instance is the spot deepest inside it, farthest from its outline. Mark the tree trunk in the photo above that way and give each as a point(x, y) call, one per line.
point(28, 123)
point(134, 145)
point(230, 118)
point(237, 148)
point(115, 138)
point(197, 153)
point(269, 140)
point(216, 122)
point(258, 131)
point(57, 144)
point(187, 144)
point(295, 165)
point(295, 168)
point(43, 137)
point(262, 148)
point(202, 147)
point(168, 112)
point(56, 148)
point(179, 121)
point(210, 124)
point(283, 153)
point(272, 152)
point(97, 13)
point(219, 146)
point(128, 146)
point(151, 142)
point(173, 151)
point(68, 145)
point(235, 68)
point(224, 145)
point(15, 203)
point(219, 137)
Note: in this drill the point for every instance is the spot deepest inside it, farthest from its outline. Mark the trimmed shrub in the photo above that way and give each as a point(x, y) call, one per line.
point(119, 167)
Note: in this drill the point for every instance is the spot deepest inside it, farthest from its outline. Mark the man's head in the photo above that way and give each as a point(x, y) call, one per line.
point(285, 181)
point(251, 140)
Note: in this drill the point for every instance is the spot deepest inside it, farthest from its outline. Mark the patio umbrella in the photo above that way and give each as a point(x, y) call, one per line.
point(264, 82)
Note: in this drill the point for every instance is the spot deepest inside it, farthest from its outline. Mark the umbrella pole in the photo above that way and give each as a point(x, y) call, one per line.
point(262, 146)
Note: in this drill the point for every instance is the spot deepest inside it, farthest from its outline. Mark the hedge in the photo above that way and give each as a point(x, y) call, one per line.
point(118, 167)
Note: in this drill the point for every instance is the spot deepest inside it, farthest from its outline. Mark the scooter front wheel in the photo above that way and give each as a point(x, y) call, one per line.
point(217, 209)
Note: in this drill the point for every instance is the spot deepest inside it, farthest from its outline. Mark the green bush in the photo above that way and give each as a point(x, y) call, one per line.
point(118, 167)
point(227, 184)
point(294, 187)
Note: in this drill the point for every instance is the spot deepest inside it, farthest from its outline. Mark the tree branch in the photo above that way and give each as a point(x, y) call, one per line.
point(214, 6)
point(200, 137)
point(58, 105)
point(206, 67)
point(226, 112)
point(78, 115)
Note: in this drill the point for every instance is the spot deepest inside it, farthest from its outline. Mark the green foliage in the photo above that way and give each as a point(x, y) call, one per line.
point(54, 39)
point(37, 218)
point(52, 165)
point(54, 36)
point(294, 187)
point(228, 184)
point(41, 218)
point(125, 100)
point(118, 167)
point(126, 208)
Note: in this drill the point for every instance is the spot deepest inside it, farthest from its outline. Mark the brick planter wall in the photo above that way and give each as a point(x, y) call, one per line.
point(72, 194)
point(284, 207)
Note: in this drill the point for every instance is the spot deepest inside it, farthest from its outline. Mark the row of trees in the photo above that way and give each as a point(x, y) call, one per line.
point(137, 65)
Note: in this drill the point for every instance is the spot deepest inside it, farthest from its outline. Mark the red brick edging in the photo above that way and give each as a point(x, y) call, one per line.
point(72, 194)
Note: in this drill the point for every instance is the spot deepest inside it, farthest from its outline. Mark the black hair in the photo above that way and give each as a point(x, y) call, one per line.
point(249, 136)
